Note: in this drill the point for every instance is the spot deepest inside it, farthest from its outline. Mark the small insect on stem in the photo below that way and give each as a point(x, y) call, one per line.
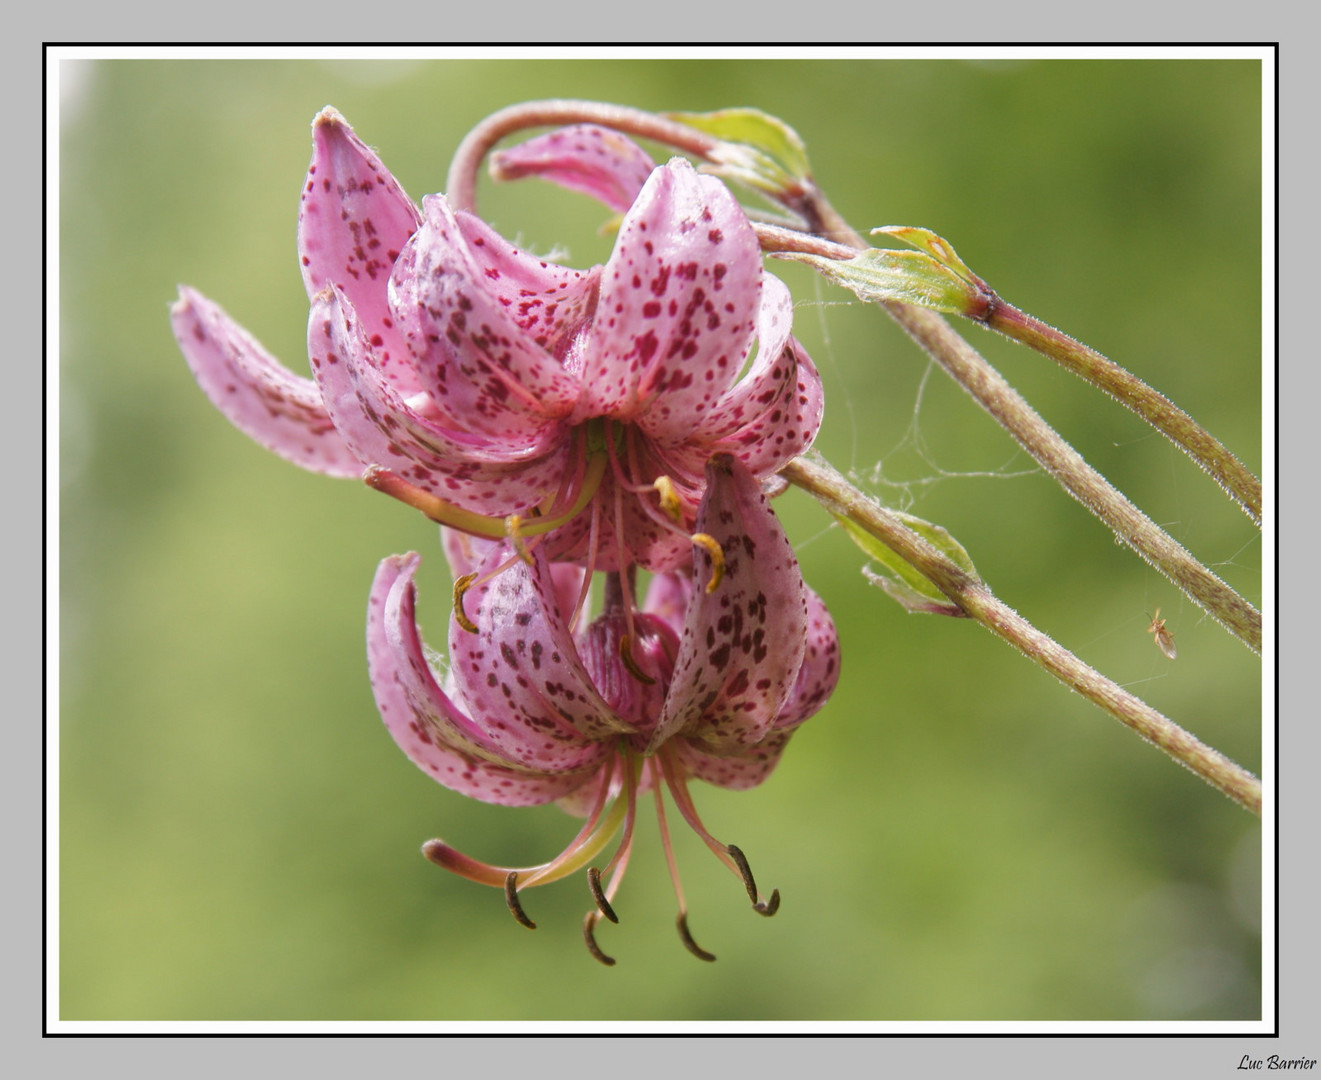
point(1163, 638)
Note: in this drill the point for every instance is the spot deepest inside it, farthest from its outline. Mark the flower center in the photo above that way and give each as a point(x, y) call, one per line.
point(603, 450)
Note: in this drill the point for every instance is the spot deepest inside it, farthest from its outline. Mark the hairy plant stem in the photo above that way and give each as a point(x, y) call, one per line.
point(990, 390)
point(838, 496)
point(1154, 407)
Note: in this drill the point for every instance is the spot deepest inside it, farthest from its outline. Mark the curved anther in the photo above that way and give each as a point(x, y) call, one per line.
point(626, 655)
point(688, 943)
point(761, 907)
point(744, 870)
point(461, 585)
point(594, 883)
point(589, 936)
point(514, 530)
point(712, 547)
point(669, 499)
point(511, 898)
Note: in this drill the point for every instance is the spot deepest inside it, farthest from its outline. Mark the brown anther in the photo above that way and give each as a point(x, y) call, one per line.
point(688, 943)
point(669, 499)
point(594, 883)
point(514, 530)
point(712, 547)
point(589, 936)
point(626, 655)
point(461, 586)
point(744, 869)
point(511, 898)
point(761, 907)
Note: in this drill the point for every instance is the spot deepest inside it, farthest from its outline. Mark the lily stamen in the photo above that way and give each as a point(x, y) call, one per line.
point(686, 936)
point(712, 547)
point(603, 904)
point(462, 584)
point(761, 907)
point(626, 655)
point(589, 936)
point(682, 919)
point(729, 854)
point(591, 840)
point(669, 498)
point(511, 898)
point(432, 506)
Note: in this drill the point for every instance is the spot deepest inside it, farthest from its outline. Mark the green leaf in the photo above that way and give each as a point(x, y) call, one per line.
point(752, 127)
point(936, 246)
point(900, 579)
point(758, 149)
point(908, 277)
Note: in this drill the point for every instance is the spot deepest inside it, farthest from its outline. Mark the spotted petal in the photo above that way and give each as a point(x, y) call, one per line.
point(428, 726)
point(266, 401)
point(743, 642)
point(593, 160)
point(738, 772)
point(353, 221)
point(482, 320)
point(820, 669)
point(474, 472)
point(678, 307)
point(521, 675)
point(774, 411)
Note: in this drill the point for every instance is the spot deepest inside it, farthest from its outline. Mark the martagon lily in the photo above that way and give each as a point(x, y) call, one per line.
point(695, 683)
point(508, 396)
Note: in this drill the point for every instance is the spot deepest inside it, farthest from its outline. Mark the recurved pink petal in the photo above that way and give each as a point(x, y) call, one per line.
point(430, 728)
point(774, 411)
point(521, 674)
point(820, 670)
point(353, 221)
point(743, 642)
point(595, 161)
point(475, 472)
point(266, 401)
point(482, 321)
point(739, 772)
point(789, 424)
point(679, 301)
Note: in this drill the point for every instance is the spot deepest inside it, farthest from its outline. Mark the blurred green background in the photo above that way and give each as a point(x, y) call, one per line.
point(955, 836)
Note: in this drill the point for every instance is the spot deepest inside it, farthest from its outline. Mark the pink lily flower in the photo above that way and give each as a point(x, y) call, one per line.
point(699, 682)
point(505, 395)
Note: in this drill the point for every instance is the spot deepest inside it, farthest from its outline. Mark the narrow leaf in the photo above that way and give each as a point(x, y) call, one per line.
point(899, 578)
point(906, 277)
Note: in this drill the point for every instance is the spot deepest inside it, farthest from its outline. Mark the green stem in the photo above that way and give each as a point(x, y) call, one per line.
point(990, 390)
point(838, 496)
point(1130, 391)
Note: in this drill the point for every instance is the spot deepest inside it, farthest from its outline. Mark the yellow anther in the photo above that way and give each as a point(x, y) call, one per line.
point(669, 499)
point(461, 586)
point(712, 547)
point(514, 531)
